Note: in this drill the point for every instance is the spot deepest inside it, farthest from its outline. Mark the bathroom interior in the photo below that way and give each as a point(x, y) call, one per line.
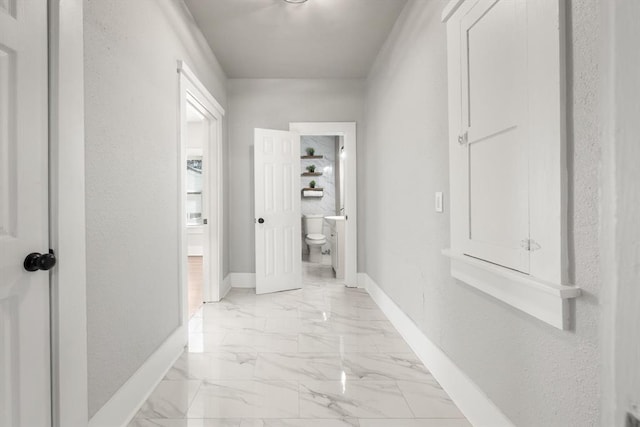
point(322, 205)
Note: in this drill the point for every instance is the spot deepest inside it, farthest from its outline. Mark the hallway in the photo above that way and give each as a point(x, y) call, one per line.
point(322, 356)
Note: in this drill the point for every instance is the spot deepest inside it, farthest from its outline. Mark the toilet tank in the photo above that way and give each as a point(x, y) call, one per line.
point(313, 224)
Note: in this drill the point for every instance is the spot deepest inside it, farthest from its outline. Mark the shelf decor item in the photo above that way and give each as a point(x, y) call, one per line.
point(312, 184)
point(311, 168)
point(310, 151)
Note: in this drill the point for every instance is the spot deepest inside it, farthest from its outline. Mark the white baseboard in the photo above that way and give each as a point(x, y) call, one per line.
point(471, 400)
point(362, 280)
point(243, 280)
point(226, 286)
point(248, 280)
point(126, 402)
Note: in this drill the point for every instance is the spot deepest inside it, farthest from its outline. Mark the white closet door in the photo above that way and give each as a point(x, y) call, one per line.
point(494, 100)
point(277, 204)
point(25, 390)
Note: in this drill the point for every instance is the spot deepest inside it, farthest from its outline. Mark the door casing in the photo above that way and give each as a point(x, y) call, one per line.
point(67, 214)
point(192, 91)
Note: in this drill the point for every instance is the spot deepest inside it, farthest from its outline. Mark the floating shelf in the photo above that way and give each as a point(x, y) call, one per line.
point(312, 157)
point(312, 192)
point(312, 174)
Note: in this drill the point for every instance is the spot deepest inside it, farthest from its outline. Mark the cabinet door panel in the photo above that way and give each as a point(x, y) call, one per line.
point(494, 100)
point(498, 207)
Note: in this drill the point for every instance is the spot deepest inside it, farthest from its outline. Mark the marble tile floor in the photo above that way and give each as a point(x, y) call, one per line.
point(320, 356)
point(195, 280)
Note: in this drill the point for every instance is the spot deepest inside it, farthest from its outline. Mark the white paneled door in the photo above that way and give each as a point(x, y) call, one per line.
point(25, 397)
point(277, 210)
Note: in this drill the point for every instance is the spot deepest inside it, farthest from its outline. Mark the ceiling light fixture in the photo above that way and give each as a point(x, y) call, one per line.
point(295, 1)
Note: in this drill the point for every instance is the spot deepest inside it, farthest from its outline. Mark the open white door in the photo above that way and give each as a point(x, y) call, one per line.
point(277, 210)
point(25, 396)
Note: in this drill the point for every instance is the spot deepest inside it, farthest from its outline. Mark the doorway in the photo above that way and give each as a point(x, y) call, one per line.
point(200, 196)
point(329, 206)
point(277, 196)
point(197, 174)
point(322, 206)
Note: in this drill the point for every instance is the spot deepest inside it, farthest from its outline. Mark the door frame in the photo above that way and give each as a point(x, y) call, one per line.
point(194, 92)
point(348, 131)
point(68, 282)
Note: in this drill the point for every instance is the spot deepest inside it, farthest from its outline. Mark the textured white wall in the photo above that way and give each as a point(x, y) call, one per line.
point(131, 83)
point(620, 238)
point(273, 104)
point(537, 375)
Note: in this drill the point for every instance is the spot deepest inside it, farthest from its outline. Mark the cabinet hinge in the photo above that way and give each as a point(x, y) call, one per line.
point(530, 245)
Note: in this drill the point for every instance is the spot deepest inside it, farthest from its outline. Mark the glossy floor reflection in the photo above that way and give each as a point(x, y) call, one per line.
point(195, 280)
point(321, 356)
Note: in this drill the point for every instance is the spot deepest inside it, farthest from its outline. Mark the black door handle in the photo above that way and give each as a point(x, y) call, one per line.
point(36, 261)
point(261, 220)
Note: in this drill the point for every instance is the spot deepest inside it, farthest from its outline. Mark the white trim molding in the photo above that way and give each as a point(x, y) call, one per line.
point(194, 93)
point(226, 286)
point(184, 69)
point(67, 214)
point(242, 280)
point(362, 280)
point(470, 399)
point(450, 9)
point(126, 402)
point(546, 301)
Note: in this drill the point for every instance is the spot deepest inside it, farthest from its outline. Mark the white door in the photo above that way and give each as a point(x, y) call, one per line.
point(277, 209)
point(494, 100)
point(25, 398)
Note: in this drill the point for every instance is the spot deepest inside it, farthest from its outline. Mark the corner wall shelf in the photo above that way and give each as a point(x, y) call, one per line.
point(311, 174)
point(312, 157)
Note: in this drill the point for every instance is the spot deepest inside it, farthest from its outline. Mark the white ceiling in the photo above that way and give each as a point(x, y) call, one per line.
point(316, 39)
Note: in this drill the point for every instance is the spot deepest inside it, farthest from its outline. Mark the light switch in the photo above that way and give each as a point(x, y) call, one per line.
point(439, 207)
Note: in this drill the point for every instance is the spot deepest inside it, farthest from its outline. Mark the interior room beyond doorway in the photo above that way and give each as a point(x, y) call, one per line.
point(197, 138)
point(322, 203)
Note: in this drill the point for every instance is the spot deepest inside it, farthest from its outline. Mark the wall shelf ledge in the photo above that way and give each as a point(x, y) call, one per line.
point(546, 301)
point(315, 192)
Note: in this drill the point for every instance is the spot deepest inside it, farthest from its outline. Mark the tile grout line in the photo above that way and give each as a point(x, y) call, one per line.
point(186, 414)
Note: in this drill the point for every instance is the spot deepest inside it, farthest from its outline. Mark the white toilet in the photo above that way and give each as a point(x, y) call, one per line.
point(313, 236)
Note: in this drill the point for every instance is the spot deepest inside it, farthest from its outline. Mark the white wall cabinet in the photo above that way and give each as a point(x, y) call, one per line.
point(507, 152)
